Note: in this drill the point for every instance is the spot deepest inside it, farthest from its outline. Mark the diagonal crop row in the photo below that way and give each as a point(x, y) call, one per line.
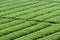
point(12, 3)
point(25, 31)
point(12, 23)
point(18, 9)
point(54, 36)
point(30, 12)
point(48, 15)
point(41, 33)
point(54, 19)
point(16, 6)
point(2, 21)
point(16, 27)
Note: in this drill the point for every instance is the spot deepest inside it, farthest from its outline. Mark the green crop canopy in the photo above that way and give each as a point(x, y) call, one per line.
point(29, 19)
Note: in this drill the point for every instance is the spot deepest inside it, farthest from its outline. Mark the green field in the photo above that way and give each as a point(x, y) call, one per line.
point(29, 19)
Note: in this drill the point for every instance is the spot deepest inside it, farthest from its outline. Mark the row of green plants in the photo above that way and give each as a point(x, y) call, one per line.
point(2, 21)
point(12, 23)
point(27, 29)
point(48, 15)
point(54, 36)
point(18, 9)
point(17, 6)
point(41, 33)
point(30, 11)
point(55, 19)
point(16, 27)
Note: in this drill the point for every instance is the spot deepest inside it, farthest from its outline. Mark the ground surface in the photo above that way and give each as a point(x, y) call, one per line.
point(29, 20)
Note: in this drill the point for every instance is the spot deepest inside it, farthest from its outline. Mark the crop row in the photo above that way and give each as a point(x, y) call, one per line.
point(22, 32)
point(12, 3)
point(41, 33)
point(12, 23)
point(36, 16)
point(18, 5)
point(5, 20)
point(47, 16)
point(19, 9)
point(30, 11)
point(2, 2)
point(54, 19)
point(43, 11)
point(54, 36)
point(16, 27)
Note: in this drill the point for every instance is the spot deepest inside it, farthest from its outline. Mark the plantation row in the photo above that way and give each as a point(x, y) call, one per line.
point(41, 33)
point(41, 16)
point(23, 16)
point(2, 2)
point(51, 37)
point(15, 6)
point(54, 19)
point(47, 16)
point(5, 20)
point(14, 2)
point(32, 11)
point(51, 29)
point(12, 23)
point(23, 31)
point(19, 9)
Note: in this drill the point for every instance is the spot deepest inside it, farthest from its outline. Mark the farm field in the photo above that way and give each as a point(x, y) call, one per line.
point(29, 20)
